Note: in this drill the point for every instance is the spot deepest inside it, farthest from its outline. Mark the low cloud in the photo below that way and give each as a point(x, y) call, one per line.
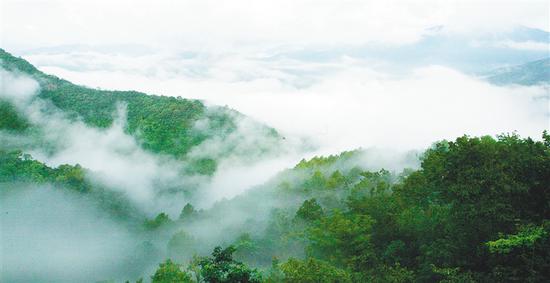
point(347, 103)
point(331, 106)
point(19, 89)
point(49, 235)
point(113, 157)
point(247, 155)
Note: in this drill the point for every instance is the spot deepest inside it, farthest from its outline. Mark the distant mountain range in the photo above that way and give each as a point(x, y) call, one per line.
point(531, 73)
point(469, 53)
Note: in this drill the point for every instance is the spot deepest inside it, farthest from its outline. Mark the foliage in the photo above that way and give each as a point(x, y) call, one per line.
point(170, 272)
point(526, 237)
point(10, 119)
point(19, 168)
point(321, 161)
point(310, 210)
point(160, 124)
point(312, 271)
point(476, 210)
point(187, 211)
point(343, 240)
point(245, 247)
point(160, 220)
point(221, 267)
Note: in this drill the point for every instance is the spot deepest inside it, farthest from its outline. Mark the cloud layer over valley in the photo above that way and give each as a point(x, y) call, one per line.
point(338, 105)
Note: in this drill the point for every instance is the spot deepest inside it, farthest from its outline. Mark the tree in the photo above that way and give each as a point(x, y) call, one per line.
point(470, 192)
point(170, 272)
point(247, 249)
point(221, 267)
point(187, 211)
point(275, 274)
point(312, 271)
point(343, 240)
point(310, 210)
point(161, 219)
point(522, 256)
point(336, 180)
point(316, 182)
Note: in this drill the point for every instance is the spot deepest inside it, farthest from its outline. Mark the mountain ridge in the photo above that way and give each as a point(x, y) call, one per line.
point(530, 73)
point(160, 124)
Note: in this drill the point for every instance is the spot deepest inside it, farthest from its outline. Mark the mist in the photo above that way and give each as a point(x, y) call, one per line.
point(320, 108)
point(346, 103)
point(115, 158)
point(49, 235)
point(381, 81)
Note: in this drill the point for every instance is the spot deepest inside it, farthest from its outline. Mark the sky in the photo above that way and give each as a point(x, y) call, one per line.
point(252, 24)
point(342, 74)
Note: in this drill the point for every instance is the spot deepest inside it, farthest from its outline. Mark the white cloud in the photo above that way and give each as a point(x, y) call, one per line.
point(496, 15)
point(19, 89)
point(233, 53)
point(247, 155)
point(244, 25)
point(49, 235)
point(114, 157)
point(346, 104)
point(525, 45)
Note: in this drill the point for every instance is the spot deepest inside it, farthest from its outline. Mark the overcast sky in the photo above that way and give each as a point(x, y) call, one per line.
point(342, 73)
point(252, 23)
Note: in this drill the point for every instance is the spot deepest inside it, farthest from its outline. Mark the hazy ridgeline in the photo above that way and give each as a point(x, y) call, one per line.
point(106, 185)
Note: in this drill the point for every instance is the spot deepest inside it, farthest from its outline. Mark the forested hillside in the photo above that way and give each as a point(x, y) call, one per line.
point(167, 131)
point(19, 170)
point(478, 210)
point(161, 124)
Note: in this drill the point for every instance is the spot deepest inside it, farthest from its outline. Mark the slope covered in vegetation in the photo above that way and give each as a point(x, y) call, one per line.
point(477, 210)
point(161, 124)
point(19, 170)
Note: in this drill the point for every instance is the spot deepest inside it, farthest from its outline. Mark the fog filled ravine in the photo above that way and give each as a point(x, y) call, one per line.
point(353, 141)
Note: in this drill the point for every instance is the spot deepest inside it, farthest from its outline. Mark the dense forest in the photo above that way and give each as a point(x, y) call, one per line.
point(477, 209)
